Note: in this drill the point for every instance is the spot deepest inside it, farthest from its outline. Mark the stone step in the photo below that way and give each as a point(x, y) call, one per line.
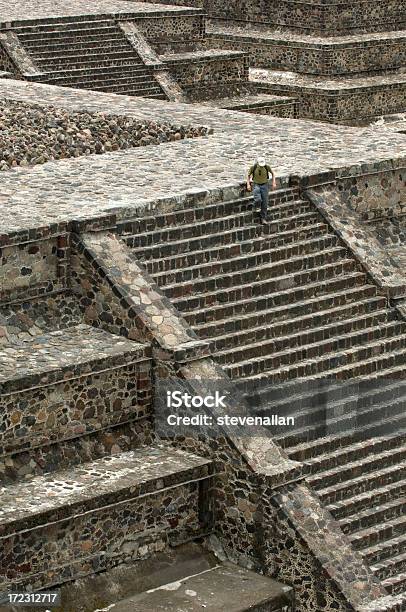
point(103, 74)
point(271, 271)
point(363, 485)
point(333, 307)
point(306, 53)
point(395, 584)
point(221, 252)
point(262, 104)
point(140, 80)
point(23, 320)
point(382, 513)
point(331, 450)
point(368, 499)
point(390, 567)
point(134, 84)
point(295, 331)
point(378, 533)
point(134, 87)
point(119, 57)
point(335, 336)
point(48, 394)
point(351, 425)
point(204, 228)
point(389, 422)
point(150, 94)
point(351, 470)
point(77, 50)
point(65, 40)
point(280, 201)
point(350, 94)
point(233, 302)
point(387, 603)
point(68, 45)
point(368, 359)
point(298, 396)
point(138, 88)
point(57, 526)
point(237, 263)
point(386, 550)
point(65, 27)
point(319, 444)
point(223, 587)
point(250, 234)
point(318, 358)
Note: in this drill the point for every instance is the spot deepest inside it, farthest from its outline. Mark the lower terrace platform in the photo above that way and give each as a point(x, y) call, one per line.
point(145, 177)
point(340, 100)
point(311, 54)
point(263, 104)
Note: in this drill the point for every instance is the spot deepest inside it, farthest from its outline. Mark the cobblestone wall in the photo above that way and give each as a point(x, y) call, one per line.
point(129, 529)
point(6, 62)
point(37, 267)
point(44, 414)
point(23, 320)
point(197, 71)
point(172, 28)
point(313, 58)
point(376, 194)
point(348, 104)
point(327, 18)
point(307, 548)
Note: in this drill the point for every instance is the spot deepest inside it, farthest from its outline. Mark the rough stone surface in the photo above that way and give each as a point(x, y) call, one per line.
point(136, 499)
point(226, 586)
point(42, 9)
point(205, 166)
point(35, 134)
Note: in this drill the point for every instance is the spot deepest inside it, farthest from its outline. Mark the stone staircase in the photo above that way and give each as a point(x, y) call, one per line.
point(91, 53)
point(295, 320)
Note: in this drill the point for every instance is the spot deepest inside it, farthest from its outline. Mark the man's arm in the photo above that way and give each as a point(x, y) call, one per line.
point(273, 178)
point(250, 177)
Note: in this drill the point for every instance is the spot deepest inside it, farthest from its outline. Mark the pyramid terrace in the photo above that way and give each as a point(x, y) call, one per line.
point(132, 261)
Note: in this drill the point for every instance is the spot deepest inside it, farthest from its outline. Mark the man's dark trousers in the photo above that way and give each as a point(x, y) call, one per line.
point(261, 197)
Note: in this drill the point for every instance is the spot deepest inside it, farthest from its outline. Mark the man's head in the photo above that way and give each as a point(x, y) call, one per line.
point(261, 161)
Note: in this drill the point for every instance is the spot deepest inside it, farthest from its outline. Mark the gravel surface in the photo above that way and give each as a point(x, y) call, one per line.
point(31, 134)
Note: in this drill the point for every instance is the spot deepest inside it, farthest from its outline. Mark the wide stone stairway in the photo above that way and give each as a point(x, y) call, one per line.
point(86, 486)
point(295, 320)
point(88, 53)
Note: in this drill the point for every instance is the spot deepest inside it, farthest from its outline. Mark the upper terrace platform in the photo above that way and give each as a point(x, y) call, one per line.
point(26, 10)
point(125, 181)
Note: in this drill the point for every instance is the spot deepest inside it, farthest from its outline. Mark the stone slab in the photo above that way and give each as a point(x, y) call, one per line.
point(203, 55)
point(250, 100)
point(137, 179)
point(63, 354)
point(110, 479)
point(258, 33)
point(226, 587)
point(313, 83)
